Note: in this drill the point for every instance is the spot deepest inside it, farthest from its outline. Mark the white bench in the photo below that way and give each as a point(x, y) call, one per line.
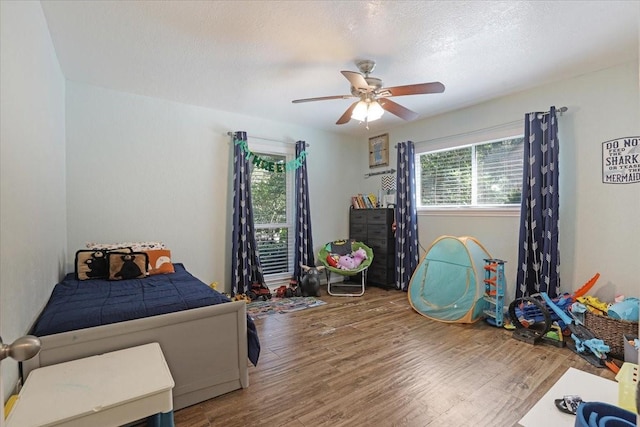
point(110, 389)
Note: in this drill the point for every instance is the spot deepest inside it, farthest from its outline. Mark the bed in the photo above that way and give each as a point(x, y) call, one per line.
point(207, 340)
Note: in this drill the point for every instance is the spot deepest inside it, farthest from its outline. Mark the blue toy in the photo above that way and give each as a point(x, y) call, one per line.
point(582, 337)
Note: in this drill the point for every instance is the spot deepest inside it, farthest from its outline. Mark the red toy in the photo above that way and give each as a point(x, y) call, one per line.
point(332, 261)
point(259, 292)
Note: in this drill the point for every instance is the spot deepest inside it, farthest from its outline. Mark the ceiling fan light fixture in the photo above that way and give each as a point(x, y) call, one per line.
point(360, 112)
point(367, 111)
point(375, 111)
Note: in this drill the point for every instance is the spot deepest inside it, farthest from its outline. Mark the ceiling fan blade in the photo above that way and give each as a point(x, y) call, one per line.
point(322, 98)
point(397, 109)
point(356, 80)
point(417, 89)
point(347, 114)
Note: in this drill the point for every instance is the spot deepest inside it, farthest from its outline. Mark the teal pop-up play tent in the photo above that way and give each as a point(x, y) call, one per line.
point(448, 284)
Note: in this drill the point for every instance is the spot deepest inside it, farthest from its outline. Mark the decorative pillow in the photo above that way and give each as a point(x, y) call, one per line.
point(135, 246)
point(94, 264)
point(91, 264)
point(123, 265)
point(160, 261)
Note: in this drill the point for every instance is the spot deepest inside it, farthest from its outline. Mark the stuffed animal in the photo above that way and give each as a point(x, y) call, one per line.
point(310, 284)
point(346, 262)
point(359, 256)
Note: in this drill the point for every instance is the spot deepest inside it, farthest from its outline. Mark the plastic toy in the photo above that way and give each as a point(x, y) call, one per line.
point(531, 319)
point(259, 292)
point(280, 292)
point(585, 288)
point(594, 305)
point(242, 297)
point(582, 337)
point(332, 260)
point(310, 285)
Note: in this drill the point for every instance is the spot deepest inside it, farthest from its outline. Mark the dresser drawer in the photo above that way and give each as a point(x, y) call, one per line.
point(379, 216)
point(358, 232)
point(380, 276)
point(358, 216)
point(383, 260)
point(378, 245)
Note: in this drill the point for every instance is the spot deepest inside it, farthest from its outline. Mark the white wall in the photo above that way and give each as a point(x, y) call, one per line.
point(140, 168)
point(146, 169)
point(32, 172)
point(599, 224)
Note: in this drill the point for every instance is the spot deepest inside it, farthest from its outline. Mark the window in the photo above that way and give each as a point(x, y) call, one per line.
point(485, 174)
point(272, 202)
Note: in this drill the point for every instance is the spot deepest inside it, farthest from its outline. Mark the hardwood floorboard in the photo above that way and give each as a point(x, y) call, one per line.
point(374, 361)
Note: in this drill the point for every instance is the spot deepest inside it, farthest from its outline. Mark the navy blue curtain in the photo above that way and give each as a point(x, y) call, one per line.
point(245, 262)
point(539, 257)
point(303, 242)
point(406, 216)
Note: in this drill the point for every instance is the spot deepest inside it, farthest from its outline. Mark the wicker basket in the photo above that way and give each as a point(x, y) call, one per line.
point(610, 331)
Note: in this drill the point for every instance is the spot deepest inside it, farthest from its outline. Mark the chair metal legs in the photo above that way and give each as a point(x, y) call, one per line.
point(359, 287)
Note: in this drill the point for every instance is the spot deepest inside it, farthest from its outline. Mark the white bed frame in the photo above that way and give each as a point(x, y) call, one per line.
point(205, 348)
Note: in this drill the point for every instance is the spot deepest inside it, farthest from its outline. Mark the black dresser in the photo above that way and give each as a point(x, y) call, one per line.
point(373, 228)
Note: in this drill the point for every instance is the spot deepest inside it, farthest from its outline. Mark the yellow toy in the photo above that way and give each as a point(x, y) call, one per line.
point(594, 305)
point(242, 297)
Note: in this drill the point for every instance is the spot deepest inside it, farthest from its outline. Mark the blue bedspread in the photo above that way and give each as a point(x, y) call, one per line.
point(76, 304)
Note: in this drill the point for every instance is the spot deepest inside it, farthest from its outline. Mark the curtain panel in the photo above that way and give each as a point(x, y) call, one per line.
point(303, 240)
point(245, 262)
point(406, 216)
point(539, 255)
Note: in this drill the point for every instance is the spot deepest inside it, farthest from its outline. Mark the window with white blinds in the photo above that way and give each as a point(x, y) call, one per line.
point(484, 174)
point(272, 202)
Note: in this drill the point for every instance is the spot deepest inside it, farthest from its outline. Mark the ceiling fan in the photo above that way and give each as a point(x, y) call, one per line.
point(373, 97)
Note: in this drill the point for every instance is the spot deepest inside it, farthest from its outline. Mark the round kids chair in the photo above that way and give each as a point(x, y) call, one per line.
point(339, 257)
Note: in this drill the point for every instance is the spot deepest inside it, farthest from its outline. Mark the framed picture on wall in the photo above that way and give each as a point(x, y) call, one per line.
point(379, 150)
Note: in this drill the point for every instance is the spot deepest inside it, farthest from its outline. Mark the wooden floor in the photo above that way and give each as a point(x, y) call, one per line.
point(374, 361)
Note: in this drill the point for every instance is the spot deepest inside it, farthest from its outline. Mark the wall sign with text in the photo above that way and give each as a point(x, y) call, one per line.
point(621, 160)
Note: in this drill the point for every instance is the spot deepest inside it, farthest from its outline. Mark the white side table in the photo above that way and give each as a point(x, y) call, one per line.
point(110, 389)
point(591, 388)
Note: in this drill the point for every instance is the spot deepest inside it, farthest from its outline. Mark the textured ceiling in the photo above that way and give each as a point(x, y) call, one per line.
point(255, 57)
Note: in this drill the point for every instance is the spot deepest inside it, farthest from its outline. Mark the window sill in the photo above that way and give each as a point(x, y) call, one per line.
point(471, 211)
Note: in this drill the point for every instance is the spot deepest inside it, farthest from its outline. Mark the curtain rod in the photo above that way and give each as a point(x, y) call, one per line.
point(384, 172)
point(471, 132)
point(560, 110)
point(268, 139)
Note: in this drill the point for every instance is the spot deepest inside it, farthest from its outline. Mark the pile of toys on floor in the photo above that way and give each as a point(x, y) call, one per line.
point(604, 333)
point(309, 286)
point(599, 330)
